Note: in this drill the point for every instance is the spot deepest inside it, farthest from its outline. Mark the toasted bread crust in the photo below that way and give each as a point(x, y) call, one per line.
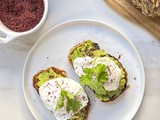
point(56, 70)
point(119, 64)
point(87, 109)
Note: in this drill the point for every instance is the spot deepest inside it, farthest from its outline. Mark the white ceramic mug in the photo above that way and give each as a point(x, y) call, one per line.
point(7, 35)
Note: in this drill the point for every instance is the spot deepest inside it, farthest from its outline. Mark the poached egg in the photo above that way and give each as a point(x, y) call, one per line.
point(50, 93)
point(113, 70)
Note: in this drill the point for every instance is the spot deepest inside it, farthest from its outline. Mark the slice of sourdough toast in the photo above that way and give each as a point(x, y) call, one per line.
point(53, 73)
point(91, 49)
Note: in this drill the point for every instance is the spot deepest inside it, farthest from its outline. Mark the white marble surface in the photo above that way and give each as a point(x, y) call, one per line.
point(13, 54)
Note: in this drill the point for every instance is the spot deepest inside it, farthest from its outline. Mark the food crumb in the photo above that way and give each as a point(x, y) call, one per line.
point(127, 87)
point(119, 57)
point(52, 112)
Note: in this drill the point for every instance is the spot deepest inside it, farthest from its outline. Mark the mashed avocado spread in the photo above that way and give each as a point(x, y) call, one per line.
point(44, 76)
point(81, 115)
point(84, 50)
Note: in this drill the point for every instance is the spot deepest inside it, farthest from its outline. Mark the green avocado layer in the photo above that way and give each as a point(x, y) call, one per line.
point(82, 52)
point(85, 50)
point(81, 115)
point(44, 76)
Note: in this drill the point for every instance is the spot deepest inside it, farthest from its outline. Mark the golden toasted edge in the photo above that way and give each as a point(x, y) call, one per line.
point(56, 70)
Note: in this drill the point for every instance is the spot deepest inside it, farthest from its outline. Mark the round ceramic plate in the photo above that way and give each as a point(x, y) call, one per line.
point(52, 50)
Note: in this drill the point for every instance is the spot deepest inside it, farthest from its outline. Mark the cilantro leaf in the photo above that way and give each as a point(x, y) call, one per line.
point(100, 68)
point(60, 102)
point(103, 77)
point(102, 74)
point(85, 79)
point(69, 95)
point(71, 103)
point(97, 87)
point(95, 77)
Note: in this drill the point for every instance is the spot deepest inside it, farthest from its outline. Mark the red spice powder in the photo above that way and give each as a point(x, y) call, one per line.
point(21, 15)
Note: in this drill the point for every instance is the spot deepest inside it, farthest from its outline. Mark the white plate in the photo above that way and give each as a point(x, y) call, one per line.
point(52, 50)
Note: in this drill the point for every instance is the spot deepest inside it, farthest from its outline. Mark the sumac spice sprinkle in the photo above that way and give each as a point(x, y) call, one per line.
point(21, 15)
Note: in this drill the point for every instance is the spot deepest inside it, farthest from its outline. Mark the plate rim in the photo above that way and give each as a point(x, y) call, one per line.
point(135, 109)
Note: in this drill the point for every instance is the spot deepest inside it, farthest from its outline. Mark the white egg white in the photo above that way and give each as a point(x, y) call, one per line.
point(114, 72)
point(50, 93)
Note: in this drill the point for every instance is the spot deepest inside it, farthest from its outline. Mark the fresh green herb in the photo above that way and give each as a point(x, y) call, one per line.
point(71, 103)
point(60, 101)
point(95, 77)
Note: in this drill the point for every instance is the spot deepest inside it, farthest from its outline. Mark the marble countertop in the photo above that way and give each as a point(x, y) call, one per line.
point(13, 55)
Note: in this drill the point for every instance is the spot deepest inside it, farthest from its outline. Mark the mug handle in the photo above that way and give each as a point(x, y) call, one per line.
point(7, 38)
